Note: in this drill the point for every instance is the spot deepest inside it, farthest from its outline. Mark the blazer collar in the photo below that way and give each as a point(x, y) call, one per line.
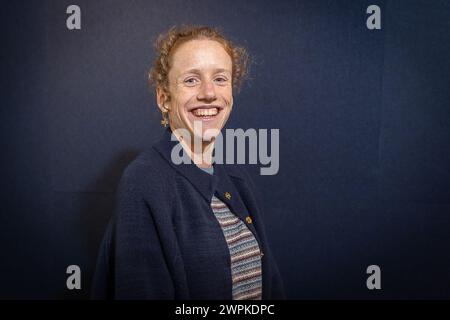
point(202, 181)
point(219, 184)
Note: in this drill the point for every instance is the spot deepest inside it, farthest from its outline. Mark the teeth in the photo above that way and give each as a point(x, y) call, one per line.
point(205, 112)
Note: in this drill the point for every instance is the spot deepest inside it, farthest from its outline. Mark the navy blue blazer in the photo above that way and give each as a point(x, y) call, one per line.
point(164, 241)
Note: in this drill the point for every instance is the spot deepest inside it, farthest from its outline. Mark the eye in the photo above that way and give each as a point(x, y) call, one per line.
point(191, 81)
point(221, 80)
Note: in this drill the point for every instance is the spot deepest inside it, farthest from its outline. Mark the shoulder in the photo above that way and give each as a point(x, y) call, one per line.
point(148, 171)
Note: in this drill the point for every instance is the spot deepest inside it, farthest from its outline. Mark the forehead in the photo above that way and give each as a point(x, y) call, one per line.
point(201, 55)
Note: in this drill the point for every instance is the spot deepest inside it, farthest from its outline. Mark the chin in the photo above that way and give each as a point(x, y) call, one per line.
point(211, 133)
point(208, 137)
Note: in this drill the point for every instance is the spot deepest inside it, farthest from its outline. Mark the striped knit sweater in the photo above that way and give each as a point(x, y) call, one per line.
point(245, 253)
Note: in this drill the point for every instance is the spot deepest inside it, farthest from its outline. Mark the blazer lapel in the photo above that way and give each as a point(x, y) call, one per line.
point(207, 185)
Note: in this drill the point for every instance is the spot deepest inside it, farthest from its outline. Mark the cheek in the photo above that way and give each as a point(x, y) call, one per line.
point(229, 100)
point(227, 95)
point(178, 102)
point(184, 97)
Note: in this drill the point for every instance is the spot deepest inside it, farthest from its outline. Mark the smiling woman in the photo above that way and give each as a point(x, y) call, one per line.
point(195, 73)
point(200, 87)
point(189, 231)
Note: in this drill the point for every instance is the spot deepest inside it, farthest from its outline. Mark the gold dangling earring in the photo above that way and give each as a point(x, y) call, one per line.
point(165, 116)
point(165, 120)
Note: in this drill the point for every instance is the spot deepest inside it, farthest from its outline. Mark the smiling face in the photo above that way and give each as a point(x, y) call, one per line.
point(200, 87)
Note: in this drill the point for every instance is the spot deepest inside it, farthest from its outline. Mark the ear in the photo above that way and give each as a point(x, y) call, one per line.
point(162, 99)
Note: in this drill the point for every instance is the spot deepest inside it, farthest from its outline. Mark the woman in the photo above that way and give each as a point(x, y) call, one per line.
point(190, 230)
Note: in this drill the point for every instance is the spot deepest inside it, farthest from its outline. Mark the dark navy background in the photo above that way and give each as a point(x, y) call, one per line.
point(364, 119)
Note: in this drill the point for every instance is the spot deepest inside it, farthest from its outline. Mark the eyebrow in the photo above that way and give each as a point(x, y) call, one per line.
point(218, 70)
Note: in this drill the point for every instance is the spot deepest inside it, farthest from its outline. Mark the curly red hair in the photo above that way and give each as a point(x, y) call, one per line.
point(167, 43)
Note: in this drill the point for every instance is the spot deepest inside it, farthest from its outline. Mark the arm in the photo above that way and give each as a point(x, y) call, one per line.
point(141, 268)
point(131, 263)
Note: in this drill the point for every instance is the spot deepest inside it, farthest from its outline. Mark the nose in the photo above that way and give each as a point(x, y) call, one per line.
point(207, 91)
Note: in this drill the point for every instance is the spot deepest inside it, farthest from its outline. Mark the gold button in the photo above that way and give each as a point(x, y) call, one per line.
point(228, 195)
point(249, 220)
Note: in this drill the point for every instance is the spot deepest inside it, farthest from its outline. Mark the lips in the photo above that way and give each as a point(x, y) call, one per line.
point(206, 112)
